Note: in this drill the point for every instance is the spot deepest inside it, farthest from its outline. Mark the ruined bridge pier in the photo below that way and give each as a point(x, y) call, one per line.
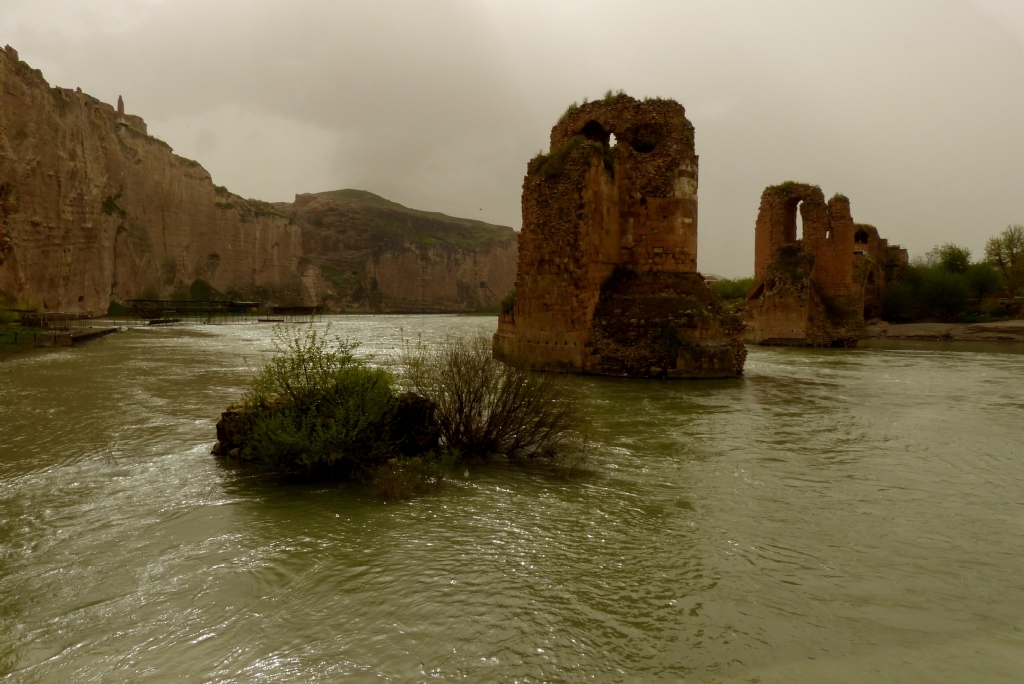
point(607, 278)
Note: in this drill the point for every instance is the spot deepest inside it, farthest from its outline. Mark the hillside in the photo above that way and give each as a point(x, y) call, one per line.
point(377, 255)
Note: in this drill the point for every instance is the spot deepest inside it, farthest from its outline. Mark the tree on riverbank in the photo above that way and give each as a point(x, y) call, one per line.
point(316, 410)
point(945, 285)
point(1006, 252)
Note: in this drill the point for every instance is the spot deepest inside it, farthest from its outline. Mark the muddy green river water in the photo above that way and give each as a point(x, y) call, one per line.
point(833, 516)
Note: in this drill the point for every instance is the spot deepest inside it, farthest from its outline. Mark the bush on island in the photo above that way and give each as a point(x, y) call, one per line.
point(317, 410)
point(485, 407)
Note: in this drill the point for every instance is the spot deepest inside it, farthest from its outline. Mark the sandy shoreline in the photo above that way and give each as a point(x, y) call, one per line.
point(1002, 331)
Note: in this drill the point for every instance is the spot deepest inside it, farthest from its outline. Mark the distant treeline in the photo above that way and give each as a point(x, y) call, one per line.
point(732, 288)
point(946, 285)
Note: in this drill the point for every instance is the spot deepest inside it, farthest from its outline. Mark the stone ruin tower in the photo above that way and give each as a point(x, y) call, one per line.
point(607, 280)
point(814, 289)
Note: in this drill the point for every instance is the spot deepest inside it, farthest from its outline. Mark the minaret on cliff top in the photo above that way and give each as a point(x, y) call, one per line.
point(120, 106)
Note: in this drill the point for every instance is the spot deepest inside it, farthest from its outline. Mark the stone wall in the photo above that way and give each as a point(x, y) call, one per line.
point(814, 289)
point(94, 210)
point(610, 230)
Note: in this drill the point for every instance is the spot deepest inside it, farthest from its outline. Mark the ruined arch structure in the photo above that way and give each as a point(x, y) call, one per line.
point(607, 278)
point(815, 290)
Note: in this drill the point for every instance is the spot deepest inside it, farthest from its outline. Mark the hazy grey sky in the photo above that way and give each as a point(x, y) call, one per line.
point(915, 110)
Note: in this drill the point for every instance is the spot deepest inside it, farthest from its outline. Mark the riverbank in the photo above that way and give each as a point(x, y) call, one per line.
point(1000, 331)
point(12, 339)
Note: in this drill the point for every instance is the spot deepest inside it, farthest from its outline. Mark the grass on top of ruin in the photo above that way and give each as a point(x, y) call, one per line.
point(317, 411)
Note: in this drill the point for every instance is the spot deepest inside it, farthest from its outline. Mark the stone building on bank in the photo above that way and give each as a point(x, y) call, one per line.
point(607, 278)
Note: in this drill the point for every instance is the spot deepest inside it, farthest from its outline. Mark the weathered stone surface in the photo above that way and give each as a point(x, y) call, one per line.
point(94, 210)
point(378, 255)
point(815, 290)
point(607, 280)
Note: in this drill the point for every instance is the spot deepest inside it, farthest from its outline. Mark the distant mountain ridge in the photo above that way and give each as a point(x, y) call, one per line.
point(378, 255)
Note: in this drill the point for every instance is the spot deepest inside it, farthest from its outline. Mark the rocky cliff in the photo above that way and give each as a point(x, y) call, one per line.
point(377, 255)
point(95, 210)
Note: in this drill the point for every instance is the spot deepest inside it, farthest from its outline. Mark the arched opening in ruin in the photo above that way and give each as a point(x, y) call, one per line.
point(860, 237)
point(793, 228)
point(593, 130)
point(643, 138)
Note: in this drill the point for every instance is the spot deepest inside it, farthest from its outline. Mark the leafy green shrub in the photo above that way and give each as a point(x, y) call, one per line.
point(117, 309)
point(7, 317)
point(202, 291)
point(953, 259)
point(486, 407)
point(111, 207)
point(728, 288)
point(982, 280)
point(943, 294)
point(932, 292)
point(898, 302)
point(508, 302)
point(316, 409)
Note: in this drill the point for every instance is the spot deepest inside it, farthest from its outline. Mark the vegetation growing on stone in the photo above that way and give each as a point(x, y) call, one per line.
point(610, 96)
point(140, 134)
point(553, 163)
point(569, 111)
point(110, 206)
point(508, 302)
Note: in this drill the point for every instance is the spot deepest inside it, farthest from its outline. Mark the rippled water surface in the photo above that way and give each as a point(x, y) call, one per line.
point(834, 515)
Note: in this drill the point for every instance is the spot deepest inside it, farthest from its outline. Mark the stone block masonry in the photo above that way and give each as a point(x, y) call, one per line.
point(606, 280)
point(814, 289)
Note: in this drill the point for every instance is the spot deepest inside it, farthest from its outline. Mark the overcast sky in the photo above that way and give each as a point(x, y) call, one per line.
point(914, 110)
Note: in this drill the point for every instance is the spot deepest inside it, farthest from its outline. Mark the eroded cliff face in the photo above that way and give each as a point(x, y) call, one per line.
point(377, 255)
point(94, 210)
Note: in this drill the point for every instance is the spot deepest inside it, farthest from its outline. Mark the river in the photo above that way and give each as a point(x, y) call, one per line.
point(832, 516)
